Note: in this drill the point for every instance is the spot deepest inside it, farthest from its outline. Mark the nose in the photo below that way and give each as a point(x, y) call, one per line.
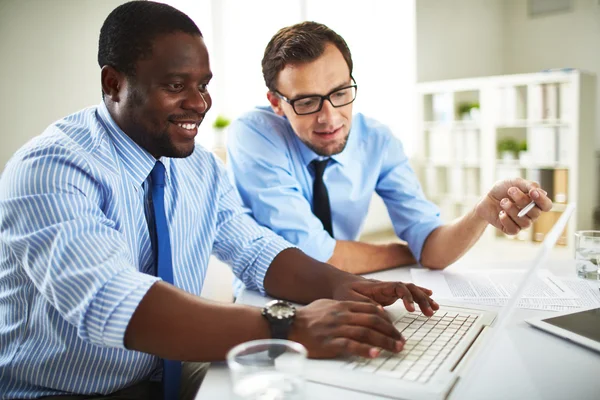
point(197, 101)
point(326, 113)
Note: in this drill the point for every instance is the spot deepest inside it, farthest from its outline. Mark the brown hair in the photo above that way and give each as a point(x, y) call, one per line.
point(300, 43)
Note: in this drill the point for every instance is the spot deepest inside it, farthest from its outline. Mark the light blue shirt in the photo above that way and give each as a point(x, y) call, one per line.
point(75, 243)
point(270, 166)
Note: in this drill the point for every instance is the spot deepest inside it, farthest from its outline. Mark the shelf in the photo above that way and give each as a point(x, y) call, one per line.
point(532, 124)
point(552, 114)
point(448, 198)
point(451, 164)
point(456, 124)
point(517, 164)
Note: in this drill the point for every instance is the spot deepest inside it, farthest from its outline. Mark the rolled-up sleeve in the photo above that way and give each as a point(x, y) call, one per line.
point(272, 190)
point(75, 257)
point(413, 216)
point(241, 242)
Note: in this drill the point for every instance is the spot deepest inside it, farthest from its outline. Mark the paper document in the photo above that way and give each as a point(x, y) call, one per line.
point(490, 284)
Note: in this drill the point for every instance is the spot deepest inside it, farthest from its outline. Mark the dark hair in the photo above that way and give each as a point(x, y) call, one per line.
point(127, 33)
point(300, 43)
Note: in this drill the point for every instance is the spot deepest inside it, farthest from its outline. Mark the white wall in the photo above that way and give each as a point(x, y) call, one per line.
point(555, 41)
point(459, 38)
point(49, 69)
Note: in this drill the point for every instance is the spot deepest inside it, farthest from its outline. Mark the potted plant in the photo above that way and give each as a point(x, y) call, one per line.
point(468, 111)
point(219, 131)
point(508, 148)
point(523, 153)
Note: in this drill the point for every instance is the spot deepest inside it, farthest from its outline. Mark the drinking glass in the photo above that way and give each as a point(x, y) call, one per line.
point(269, 369)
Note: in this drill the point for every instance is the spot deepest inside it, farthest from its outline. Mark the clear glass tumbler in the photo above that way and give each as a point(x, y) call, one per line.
point(269, 369)
point(587, 254)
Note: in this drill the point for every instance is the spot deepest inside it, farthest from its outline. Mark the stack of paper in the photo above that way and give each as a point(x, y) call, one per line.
point(494, 287)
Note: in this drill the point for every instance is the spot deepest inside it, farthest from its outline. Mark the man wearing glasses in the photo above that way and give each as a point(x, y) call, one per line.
point(308, 168)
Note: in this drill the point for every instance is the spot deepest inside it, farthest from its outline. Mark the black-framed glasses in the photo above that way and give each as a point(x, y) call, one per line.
point(313, 103)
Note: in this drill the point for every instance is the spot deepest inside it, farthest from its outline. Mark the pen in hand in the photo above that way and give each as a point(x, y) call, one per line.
point(526, 209)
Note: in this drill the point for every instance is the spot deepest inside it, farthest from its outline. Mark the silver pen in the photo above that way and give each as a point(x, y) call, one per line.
point(526, 209)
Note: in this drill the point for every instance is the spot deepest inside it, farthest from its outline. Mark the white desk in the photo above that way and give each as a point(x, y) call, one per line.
point(529, 364)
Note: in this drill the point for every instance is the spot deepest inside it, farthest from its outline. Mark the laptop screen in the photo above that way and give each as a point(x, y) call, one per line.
point(584, 323)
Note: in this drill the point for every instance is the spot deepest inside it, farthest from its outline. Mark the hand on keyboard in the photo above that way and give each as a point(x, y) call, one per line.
point(329, 328)
point(386, 293)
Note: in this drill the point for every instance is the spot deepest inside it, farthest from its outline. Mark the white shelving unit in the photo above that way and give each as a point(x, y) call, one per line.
point(551, 113)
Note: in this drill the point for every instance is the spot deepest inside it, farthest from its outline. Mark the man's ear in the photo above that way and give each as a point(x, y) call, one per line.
point(275, 102)
point(112, 83)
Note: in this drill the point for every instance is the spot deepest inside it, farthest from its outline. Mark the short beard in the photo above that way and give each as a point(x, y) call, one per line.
point(159, 142)
point(323, 152)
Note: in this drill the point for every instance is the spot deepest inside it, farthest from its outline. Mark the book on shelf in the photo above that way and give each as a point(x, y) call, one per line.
point(544, 102)
point(550, 102)
point(544, 224)
point(554, 181)
point(561, 186)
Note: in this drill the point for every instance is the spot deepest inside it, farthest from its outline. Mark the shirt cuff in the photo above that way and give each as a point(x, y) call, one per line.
point(417, 239)
point(266, 257)
point(113, 306)
point(320, 247)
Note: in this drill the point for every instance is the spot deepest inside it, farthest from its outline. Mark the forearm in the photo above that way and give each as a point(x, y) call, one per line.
point(176, 325)
point(362, 258)
point(448, 243)
point(297, 277)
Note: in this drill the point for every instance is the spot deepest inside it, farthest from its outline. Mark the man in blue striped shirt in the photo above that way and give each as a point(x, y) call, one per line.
point(274, 151)
point(82, 312)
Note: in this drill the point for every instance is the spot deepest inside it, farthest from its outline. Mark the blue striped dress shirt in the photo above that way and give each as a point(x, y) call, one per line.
point(76, 253)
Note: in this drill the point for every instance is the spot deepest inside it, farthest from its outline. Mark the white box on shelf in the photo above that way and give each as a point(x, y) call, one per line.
point(457, 182)
point(471, 143)
point(431, 181)
point(459, 143)
point(472, 182)
point(507, 171)
point(443, 107)
point(542, 145)
point(536, 103)
point(440, 145)
point(508, 105)
point(563, 145)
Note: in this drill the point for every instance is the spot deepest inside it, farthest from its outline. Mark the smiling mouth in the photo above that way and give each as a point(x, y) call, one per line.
point(328, 133)
point(189, 126)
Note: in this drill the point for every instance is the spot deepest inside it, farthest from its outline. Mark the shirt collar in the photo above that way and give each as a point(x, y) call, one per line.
point(137, 161)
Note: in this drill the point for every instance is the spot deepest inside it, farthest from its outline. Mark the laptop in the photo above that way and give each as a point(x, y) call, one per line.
point(437, 348)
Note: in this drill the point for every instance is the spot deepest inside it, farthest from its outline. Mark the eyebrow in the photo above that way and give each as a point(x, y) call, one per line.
point(185, 75)
point(345, 84)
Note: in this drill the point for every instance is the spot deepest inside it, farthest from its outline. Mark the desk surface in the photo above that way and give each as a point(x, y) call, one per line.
point(528, 363)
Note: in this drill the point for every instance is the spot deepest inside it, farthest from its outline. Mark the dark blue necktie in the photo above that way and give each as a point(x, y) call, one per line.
point(320, 206)
point(171, 369)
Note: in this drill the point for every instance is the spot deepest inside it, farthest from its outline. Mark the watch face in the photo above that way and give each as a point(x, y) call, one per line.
point(281, 310)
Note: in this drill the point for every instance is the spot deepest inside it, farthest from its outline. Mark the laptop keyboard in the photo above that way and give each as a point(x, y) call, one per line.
point(429, 341)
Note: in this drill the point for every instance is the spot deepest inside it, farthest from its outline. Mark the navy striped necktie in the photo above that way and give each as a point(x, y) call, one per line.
point(171, 368)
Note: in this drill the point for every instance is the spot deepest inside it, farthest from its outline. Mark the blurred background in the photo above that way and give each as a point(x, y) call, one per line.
point(433, 70)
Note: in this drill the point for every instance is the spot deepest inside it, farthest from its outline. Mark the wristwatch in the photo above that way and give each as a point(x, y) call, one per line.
point(280, 315)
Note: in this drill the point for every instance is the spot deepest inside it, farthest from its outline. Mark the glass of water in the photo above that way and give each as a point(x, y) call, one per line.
point(269, 369)
point(587, 254)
